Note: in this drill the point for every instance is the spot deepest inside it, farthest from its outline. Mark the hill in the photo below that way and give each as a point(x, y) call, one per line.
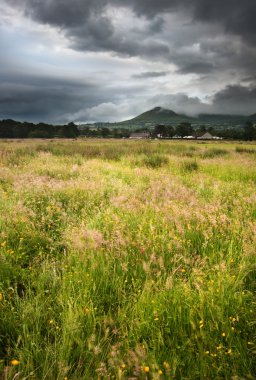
point(160, 115)
point(157, 112)
point(252, 117)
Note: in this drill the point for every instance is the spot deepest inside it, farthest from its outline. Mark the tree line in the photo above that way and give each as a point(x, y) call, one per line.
point(15, 129)
point(247, 132)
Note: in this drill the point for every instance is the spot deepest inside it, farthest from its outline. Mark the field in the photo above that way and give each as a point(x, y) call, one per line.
point(127, 260)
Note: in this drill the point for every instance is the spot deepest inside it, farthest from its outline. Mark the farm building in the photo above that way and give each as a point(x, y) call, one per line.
point(205, 136)
point(140, 135)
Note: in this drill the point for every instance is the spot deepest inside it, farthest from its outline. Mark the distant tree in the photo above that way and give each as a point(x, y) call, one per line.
point(184, 129)
point(141, 130)
point(170, 131)
point(43, 130)
point(20, 131)
point(69, 131)
point(230, 133)
point(105, 132)
point(249, 131)
point(39, 133)
point(202, 129)
point(85, 131)
point(6, 128)
point(160, 131)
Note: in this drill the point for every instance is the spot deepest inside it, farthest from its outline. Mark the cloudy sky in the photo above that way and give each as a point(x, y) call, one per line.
point(109, 60)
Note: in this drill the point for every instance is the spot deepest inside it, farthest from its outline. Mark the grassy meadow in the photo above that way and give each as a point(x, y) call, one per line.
point(127, 260)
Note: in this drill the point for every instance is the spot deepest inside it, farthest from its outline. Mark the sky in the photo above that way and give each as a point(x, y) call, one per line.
point(110, 60)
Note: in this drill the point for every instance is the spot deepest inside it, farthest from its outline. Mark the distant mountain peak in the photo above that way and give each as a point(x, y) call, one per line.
point(157, 112)
point(163, 110)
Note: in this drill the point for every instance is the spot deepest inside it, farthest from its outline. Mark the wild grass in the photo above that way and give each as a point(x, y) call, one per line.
point(249, 150)
point(214, 152)
point(127, 260)
point(189, 166)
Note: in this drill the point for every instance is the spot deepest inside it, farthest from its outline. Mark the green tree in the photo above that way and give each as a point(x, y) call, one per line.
point(249, 131)
point(160, 131)
point(184, 129)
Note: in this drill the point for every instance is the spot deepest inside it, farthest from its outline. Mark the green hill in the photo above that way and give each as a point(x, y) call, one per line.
point(160, 115)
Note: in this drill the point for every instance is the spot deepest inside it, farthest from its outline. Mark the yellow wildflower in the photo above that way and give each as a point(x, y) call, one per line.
point(15, 362)
point(1, 296)
point(160, 372)
point(146, 369)
point(223, 334)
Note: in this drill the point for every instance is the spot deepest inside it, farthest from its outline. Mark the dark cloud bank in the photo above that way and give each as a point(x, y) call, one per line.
point(88, 26)
point(80, 16)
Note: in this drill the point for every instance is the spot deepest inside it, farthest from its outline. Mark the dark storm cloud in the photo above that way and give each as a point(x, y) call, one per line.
point(213, 39)
point(42, 97)
point(239, 100)
point(197, 67)
point(236, 16)
point(150, 74)
point(124, 46)
point(33, 98)
point(235, 99)
point(89, 27)
point(251, 79)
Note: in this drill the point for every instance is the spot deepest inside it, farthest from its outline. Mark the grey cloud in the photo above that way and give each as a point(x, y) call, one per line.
point(181, 103)
point(61, 13)
point(33, 98)
point(235, 99)
point(121, 45)
point(236, 16)
point(41, 97)
point(89, 28)
point(197, 67)
point(250, 79)
point(150, 74)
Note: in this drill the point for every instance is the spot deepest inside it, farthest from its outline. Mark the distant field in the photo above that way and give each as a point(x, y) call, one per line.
point(127, 260)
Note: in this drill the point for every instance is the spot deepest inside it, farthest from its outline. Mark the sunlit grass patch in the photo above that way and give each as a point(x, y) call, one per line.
point(189, 166)
point(231, 172)
point(214, 152)
point(154, 161)
point(241, 149)
point(127, 259)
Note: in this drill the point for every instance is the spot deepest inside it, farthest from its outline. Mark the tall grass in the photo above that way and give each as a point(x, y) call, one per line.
point(126, 260)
